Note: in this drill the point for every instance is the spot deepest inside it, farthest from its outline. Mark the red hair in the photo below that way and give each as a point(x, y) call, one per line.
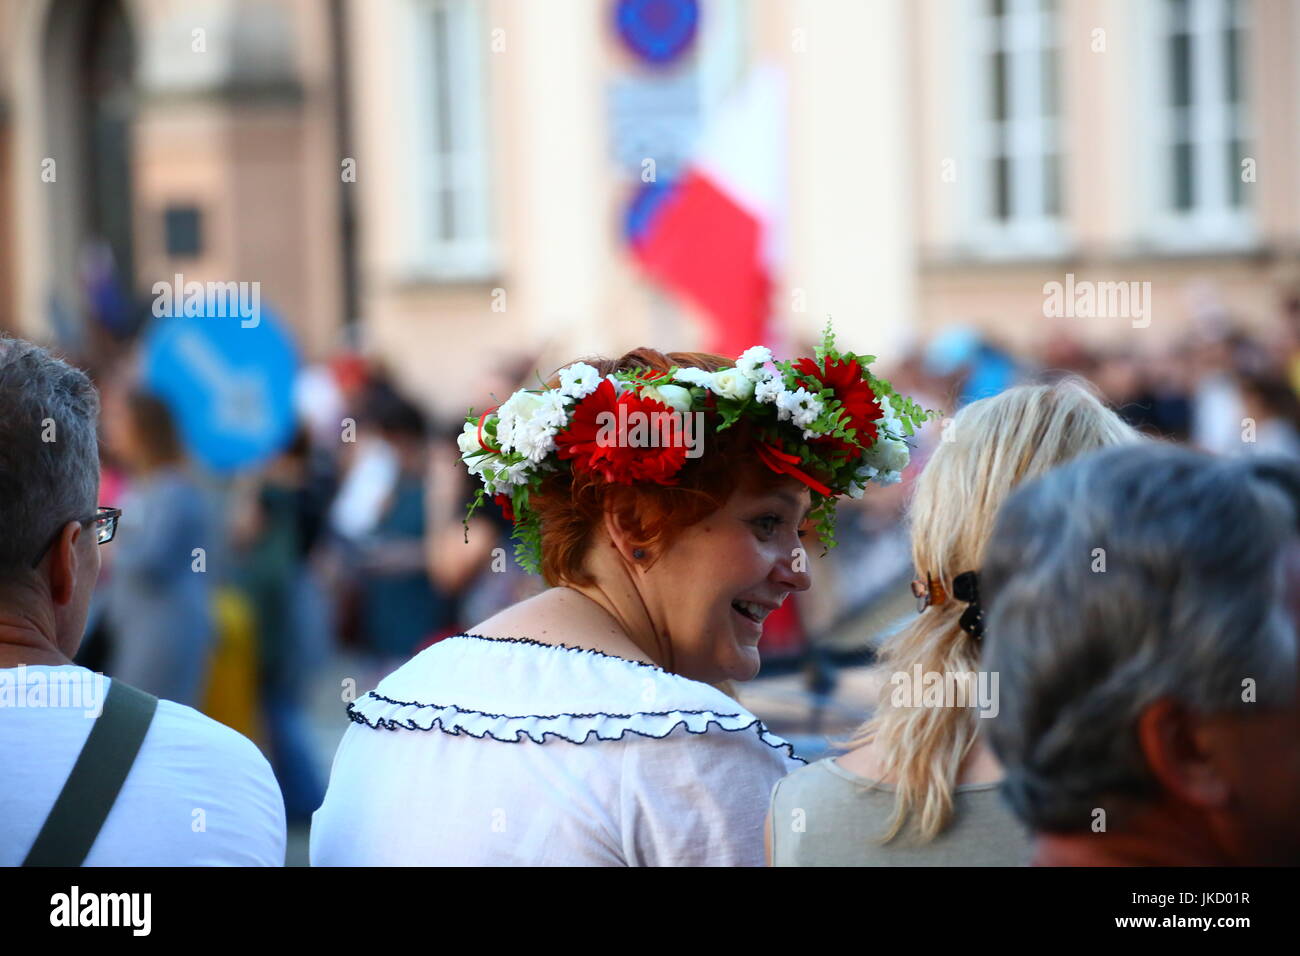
point(571, 506)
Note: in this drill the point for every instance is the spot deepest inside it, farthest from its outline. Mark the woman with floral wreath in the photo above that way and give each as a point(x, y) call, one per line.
point(664, 499)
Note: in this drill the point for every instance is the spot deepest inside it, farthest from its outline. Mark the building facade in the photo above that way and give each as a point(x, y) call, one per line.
point(449, 179)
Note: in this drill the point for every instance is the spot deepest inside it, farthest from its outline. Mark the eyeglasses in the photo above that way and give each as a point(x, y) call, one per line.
point(105, 522)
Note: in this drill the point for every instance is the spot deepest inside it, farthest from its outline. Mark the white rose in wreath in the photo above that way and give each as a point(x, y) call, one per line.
point(732, 383)
point(674, 396)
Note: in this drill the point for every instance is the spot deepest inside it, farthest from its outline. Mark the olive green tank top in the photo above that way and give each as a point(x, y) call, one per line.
point(823, 815)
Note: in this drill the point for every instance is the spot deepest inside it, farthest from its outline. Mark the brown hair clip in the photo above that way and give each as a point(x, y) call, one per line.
point(928, 592)
point(965, 589)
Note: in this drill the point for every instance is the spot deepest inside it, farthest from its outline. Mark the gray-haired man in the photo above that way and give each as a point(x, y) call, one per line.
point(95, 771)
point(1141, 617)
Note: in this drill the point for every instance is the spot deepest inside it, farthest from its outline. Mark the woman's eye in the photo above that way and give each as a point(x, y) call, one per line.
point(768, 523)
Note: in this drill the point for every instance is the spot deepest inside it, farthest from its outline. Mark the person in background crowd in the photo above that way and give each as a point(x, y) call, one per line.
point(919, 786)
point(188, 768)
point(1286, 341)
point(1272, 421)
point(1121, 378)
point(1166, 376)
point(1149, 713)
point(970, 364)
point(159, 600)
point(401, 609)
point(475, 565)
point(1217, 407)
point(277, 522)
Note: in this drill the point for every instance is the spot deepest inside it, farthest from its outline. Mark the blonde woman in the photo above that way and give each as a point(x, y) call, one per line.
point(918, 785)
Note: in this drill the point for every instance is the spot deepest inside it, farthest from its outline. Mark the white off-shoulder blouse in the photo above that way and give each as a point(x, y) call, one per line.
point(510, 752)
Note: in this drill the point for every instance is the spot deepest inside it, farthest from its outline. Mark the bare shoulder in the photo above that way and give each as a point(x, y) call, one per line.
point(538, 617)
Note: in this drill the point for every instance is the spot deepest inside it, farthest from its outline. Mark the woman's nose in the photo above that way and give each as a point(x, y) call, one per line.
point(792, 572)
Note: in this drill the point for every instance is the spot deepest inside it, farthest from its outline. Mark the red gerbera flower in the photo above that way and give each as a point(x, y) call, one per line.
point(624, 438)
point(860, 407)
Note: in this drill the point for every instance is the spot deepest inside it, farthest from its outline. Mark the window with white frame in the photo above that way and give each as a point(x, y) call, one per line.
point(1017, 140)
point(450, 212)
point(1203, 134)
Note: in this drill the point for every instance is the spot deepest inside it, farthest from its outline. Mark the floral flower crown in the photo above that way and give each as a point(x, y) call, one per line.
point(826, 421)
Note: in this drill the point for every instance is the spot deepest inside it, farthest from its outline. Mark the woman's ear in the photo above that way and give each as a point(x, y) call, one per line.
point(625, 532)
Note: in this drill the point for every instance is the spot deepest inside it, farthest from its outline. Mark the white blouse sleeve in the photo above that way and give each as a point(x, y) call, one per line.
point(699, 799)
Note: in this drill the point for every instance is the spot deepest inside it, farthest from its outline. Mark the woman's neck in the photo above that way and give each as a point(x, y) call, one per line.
point(568, 615)
point(608, 621)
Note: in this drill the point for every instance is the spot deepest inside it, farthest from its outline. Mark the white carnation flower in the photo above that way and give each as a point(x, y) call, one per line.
point(888, 455)
point(694, 376)
point(535, 438)
point(889, 477)
point(732, 383)
point(513, 416)
point(751, 363)
point(768, 390)
point(800, 406)
point(578, 380)
point(505, 477)
point(527, 422)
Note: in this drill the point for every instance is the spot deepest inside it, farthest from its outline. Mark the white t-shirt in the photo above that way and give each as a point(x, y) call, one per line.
point(510, 752)
point(198, 794)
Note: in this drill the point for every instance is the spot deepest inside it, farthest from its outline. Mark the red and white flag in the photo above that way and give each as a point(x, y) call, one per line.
point(717, 237)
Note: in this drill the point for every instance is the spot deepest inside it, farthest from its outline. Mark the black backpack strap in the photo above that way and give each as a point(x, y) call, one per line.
point(91, 789)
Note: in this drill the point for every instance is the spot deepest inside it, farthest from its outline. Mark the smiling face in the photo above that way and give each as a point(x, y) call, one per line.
point(709, 592)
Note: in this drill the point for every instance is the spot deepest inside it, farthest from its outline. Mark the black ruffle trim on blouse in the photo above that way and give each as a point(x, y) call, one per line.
point(381, 723)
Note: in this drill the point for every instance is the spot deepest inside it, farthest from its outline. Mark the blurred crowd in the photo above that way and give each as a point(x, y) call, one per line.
point(352, 539)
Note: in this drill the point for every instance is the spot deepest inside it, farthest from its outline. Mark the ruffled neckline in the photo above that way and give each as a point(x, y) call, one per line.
point(455, 688)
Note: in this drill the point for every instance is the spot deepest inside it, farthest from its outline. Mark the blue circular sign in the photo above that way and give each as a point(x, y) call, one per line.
point(657, 31)
point(229, 383)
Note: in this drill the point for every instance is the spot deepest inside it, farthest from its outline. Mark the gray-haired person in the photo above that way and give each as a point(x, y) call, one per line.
point(95, 772)
point(1141, 608)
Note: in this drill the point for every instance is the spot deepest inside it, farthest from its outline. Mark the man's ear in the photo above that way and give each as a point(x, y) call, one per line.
point(62, 563)
point(1179, 747)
